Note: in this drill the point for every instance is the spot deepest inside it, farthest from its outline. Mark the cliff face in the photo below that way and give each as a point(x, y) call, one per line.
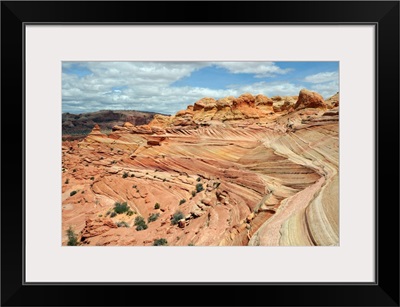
point(250, 170)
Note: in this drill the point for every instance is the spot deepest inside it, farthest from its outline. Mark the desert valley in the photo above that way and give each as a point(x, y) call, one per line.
point(236, 171)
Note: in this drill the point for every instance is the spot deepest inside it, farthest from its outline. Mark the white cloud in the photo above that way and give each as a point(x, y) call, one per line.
point(322, 77)
point(260, 69)
point(327, 89)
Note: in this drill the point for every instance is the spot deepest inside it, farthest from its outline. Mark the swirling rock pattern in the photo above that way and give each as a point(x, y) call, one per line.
point(239, 171)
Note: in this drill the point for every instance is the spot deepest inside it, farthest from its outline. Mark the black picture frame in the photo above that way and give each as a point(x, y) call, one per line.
point(383, 14)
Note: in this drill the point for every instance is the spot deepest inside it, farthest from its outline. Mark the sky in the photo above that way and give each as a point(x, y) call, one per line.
point(167, 87)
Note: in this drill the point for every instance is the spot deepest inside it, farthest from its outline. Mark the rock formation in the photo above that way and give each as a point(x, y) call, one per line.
point(250, 170)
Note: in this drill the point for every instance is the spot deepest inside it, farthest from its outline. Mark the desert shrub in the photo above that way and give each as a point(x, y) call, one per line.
point(182, 201)
point(198, 179)
point(72, 193)
point(92, 178)
point(113, 214)
point(132, 175)
point(165, 179)
point(74, 170)
point(199, 187)
point(153, 217)
point(130, 213)
point(122, 224)
point(160, 242)
point(157, 206)
point(193, 193)
point(176, 217)
point(72, 238)
point(190, 244)
point(100, 215)
point(121, 208)
point(67, 181)
point(125, 174)
point(140, 223)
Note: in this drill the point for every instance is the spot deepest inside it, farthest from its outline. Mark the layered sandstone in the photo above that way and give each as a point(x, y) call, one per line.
point(241, 171)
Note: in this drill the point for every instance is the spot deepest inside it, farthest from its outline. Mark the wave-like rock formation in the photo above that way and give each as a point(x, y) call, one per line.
point(239, 171)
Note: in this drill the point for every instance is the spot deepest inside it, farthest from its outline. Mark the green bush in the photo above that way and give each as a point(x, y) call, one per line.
point(72, 193)
point(176, 217)
point(157, 206)
point(140, 223)
point(72, 238)
point(122, 224)
point(153, 217)
point(182, 201)
point(125, 175)
point(199, 187)
point(121, 208)
point(160, 242)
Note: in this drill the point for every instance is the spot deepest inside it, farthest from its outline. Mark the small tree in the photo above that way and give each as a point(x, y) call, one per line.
point(72, 238)
point(199, 187)
point(140, 223)
point(121, 207)
point(122, 224)
point(153, 217)
point(160, 242)
point(177, 217)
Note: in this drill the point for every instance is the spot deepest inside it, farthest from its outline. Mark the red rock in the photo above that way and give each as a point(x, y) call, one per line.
point(308, 99)
point(128, 125)
point(182, 223)
point(204, 103)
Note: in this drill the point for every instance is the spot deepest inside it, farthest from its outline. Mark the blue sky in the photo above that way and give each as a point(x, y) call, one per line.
point(167, 87)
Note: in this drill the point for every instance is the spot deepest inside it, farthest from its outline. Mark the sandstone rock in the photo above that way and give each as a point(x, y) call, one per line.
point(96, 227)
point(155, 140)
point(308, 99)
point(207, 201)
point(128, 125)
point(119, 128)
point(144, 129)
point(182, 223)
point(247, 162)
point(225, 103)
point(204, 103)
point(333, 101)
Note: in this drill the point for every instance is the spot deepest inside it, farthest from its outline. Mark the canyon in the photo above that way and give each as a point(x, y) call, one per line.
point(236, 171)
